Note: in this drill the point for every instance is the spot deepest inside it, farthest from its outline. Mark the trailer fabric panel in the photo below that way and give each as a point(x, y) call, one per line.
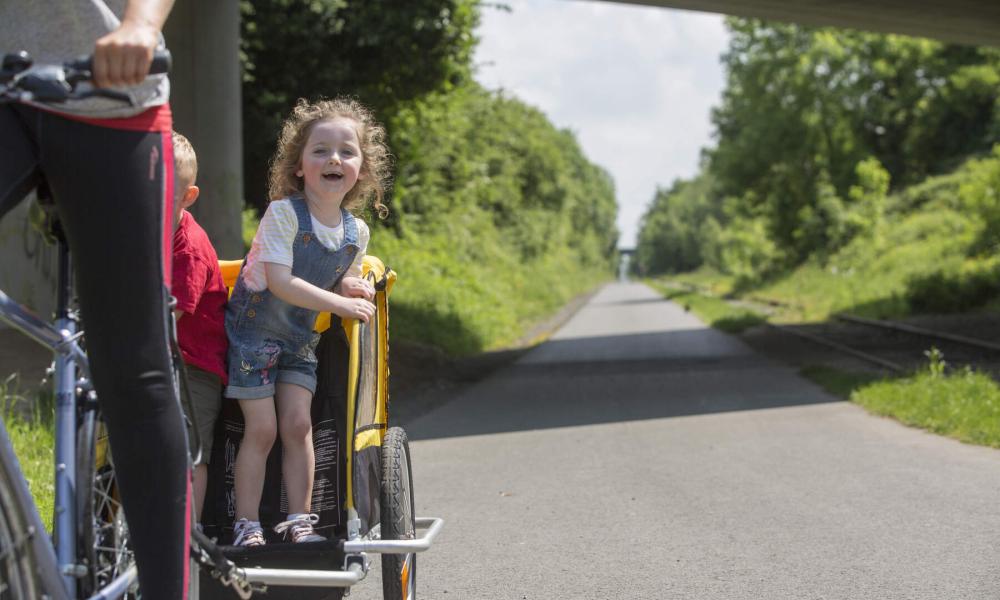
point(329, 481)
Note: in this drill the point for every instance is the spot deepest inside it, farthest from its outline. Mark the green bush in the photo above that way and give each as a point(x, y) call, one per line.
point(972, 286)
point(746, 251)
point(980, 193)
point(498, 219)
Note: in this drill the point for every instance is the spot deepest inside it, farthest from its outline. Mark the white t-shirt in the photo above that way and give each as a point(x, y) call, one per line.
point(276, 235)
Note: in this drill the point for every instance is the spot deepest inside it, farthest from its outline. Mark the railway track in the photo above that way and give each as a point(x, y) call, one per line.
point(901, 346)
point(894, 346)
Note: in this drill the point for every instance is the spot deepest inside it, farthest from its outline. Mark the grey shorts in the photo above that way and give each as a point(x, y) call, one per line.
point(206, 398)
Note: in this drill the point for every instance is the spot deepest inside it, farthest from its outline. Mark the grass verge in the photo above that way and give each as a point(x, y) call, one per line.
point(715, 311)
point(964, 405)
point(32, 436)
point(961, 404)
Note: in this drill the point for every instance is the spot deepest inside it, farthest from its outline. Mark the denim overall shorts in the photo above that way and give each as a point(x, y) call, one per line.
point(270, 340)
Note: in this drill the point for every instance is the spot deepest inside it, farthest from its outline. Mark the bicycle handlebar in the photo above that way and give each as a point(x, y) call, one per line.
point(161, 63)
point(23, 81)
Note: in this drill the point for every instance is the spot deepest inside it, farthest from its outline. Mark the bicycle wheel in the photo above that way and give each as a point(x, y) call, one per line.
point(399, 571)
point(18, 563)
point(103, 531)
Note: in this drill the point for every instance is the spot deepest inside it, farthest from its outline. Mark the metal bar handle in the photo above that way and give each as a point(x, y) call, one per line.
point(303, 577)
point(432, 524)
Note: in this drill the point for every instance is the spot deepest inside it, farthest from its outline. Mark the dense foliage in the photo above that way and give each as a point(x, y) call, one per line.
point(385, 53)
point(816, 131)
point(497, 217)
point(499, 214)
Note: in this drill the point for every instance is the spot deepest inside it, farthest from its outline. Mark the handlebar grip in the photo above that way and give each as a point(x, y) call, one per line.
point(161, 63)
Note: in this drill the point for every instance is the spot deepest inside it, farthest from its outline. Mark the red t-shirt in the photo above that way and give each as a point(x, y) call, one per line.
point(201, 295)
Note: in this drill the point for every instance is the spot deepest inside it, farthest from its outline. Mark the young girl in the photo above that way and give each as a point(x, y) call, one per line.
point(305, 258)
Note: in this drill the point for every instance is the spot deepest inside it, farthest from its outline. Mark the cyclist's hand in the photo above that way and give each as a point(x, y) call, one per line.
point(122, 57)
point(354, 308)
point(356, 287)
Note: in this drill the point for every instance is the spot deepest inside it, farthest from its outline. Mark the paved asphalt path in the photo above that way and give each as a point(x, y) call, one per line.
point(639, 454)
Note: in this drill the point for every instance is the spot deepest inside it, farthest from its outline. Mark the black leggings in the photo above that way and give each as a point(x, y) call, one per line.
point(109, 190)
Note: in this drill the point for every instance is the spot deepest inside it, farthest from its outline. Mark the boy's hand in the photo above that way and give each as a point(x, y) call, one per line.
point(356, 287)
point(354, 308)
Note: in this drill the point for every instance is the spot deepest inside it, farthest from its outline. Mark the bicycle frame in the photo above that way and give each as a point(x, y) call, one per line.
point(61, 337)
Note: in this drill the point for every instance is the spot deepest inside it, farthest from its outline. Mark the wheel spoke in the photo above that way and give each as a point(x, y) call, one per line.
point(107, 537)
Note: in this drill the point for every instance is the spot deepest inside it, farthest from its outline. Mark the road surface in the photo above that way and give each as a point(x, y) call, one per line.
point(640, 454)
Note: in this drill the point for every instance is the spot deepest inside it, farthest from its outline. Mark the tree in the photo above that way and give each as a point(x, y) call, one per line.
point(385, 53)
point(812, 123)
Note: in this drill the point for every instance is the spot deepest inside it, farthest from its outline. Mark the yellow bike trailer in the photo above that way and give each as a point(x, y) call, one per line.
point(362, 487)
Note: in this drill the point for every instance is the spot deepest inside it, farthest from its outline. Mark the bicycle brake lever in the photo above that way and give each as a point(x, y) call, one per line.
point(45, 84)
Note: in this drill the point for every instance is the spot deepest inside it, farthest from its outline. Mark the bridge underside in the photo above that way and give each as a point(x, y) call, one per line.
point(975, 22)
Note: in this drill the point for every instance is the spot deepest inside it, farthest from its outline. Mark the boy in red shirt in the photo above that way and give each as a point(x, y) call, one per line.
point(200, 311)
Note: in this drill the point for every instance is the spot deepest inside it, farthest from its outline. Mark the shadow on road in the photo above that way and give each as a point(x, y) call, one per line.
point(631, 302)
point(594, 380)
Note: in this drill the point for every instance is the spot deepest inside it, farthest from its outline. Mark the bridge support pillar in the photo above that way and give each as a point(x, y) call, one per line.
point(205, 97)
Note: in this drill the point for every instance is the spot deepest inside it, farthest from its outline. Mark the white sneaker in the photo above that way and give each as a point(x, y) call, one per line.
point(248, 533)
point(299, 528)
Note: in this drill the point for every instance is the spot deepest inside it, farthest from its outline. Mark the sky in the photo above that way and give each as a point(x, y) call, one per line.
point(635, 84)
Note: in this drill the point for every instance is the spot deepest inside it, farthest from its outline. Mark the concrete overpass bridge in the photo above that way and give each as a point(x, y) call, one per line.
point(974, 22)
point(204, 38)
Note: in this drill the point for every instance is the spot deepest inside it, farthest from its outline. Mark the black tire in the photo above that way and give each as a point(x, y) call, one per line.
point(399, 571)
point(103, 531)
point(18, 563)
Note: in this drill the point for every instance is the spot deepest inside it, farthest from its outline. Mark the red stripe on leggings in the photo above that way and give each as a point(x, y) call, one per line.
point(157, 118)
point(168, 204)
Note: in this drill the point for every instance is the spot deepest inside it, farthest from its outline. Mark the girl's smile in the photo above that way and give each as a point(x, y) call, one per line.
point(331, 163)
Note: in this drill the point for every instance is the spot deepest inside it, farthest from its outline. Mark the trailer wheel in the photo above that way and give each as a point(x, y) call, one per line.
point(399, 571)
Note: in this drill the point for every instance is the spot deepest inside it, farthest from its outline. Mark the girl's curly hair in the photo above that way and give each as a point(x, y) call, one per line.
point(374, 179)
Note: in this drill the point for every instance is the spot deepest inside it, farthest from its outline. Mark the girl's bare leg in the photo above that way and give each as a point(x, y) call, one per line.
point(251, 460)
point(297, 458)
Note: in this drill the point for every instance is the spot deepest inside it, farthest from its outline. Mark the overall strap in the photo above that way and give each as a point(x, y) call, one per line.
point(302, 212)
point(350, 228)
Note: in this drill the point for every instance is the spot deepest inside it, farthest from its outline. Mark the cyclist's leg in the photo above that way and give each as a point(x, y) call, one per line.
point(109, 186)
point(18, 160)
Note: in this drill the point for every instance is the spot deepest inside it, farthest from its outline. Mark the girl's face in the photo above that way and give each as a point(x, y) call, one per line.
point(331, 160)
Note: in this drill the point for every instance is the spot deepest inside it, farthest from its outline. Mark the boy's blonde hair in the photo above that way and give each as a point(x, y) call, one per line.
point(374, 176)
point(185, 160)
